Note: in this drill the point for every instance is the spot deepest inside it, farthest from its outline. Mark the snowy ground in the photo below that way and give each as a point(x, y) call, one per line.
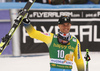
point(41, 63)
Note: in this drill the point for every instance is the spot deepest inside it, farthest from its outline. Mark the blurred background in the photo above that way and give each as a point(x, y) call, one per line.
point(25, 53)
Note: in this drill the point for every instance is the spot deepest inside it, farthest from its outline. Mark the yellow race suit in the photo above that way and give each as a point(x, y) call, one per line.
point(67, 58)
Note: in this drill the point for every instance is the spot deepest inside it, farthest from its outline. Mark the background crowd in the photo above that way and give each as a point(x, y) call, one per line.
point(56, 2)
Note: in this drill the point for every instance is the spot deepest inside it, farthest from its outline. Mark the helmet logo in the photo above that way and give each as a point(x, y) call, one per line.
point(65, 19)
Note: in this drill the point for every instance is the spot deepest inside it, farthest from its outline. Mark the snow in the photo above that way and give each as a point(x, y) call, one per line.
point(41, 63)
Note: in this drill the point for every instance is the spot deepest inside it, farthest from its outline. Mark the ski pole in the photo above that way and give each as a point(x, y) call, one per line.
point(87, 59)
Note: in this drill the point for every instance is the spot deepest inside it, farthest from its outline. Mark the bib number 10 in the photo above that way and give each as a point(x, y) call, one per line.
point(60, 53)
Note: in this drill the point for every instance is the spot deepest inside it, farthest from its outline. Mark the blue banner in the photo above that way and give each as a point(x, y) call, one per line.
point(17, 5)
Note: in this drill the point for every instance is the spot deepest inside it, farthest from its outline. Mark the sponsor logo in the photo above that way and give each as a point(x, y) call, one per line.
point(47, 34)
point(69, 47)
point(63, 46)
point(52, 14)
point(74, 40)
point(61, 61)
point(60, 46)
point(78, 52)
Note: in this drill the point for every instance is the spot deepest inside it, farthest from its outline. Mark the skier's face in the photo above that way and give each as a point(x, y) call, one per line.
point(64, 28)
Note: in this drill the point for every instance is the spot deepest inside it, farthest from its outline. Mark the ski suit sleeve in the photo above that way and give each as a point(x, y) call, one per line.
point(45, 37)
point(78, 57)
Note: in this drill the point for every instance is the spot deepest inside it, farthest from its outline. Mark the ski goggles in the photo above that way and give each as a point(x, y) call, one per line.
point(63, 40)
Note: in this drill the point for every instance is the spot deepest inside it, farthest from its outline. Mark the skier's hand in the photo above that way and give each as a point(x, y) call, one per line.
point(26, 21)
point(87, 57)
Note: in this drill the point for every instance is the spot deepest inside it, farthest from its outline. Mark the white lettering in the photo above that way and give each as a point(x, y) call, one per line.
point(95, 34)
point(53, 14)
point(76, 30)
point(56, 29)
point(97, 14)
point(49, 31)
point(79, 30)
point(82, 33)
point(25, 34)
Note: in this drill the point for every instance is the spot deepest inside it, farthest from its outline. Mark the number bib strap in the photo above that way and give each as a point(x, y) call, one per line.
point(60, 66)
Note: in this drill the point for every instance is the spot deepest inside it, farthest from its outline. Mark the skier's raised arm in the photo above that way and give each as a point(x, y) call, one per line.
point(45, 37)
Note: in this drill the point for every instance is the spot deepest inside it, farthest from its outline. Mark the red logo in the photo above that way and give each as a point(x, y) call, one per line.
point(47, 34)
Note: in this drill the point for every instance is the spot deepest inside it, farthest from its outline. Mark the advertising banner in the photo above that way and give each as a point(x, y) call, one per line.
point(85, 26)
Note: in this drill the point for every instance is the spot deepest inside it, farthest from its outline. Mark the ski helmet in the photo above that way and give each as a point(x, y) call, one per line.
point(64, 19)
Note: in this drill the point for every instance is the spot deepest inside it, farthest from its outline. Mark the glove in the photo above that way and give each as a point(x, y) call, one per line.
point(26, 21)
point(87, 57)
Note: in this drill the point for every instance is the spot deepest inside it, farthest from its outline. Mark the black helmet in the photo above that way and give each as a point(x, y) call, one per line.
point(64, 19)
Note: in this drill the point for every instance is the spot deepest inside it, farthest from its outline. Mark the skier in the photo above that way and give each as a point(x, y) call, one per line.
point(63, 47)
